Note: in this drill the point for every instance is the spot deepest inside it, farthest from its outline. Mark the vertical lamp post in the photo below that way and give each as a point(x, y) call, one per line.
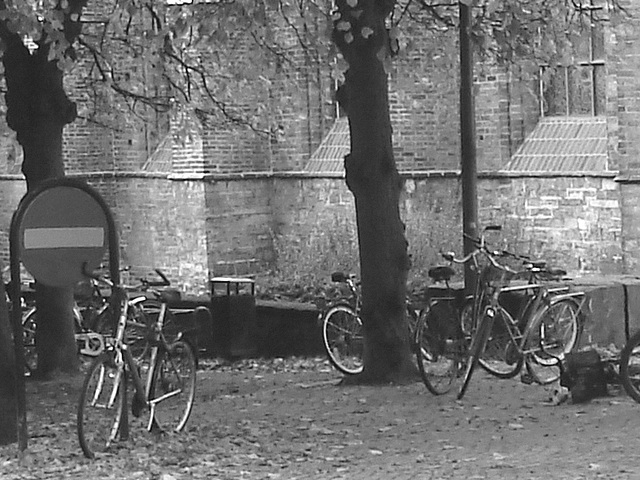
point(469, 171)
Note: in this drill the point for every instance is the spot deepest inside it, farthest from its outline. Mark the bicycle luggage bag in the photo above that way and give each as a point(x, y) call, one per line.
point(583, 373)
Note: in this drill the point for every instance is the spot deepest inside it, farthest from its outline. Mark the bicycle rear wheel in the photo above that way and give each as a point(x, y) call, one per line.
point(29, 340)
point(29, 326)
point(173, 387)
point(439, 351)
point(343, 338)
point(553, 333)
point(501, 357)
point(101, 405)
point(630, 367)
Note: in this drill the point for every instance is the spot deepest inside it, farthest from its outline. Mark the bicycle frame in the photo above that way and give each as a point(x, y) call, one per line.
point(533, 304)
point(128, 365)
point(106, 382)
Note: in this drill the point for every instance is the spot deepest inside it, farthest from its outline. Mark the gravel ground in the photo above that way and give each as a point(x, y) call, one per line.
point(289, 419)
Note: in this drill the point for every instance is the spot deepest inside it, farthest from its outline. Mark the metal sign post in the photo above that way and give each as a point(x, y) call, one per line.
point(60, 228)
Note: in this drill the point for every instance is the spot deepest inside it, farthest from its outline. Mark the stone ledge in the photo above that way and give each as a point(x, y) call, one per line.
point(280, 328)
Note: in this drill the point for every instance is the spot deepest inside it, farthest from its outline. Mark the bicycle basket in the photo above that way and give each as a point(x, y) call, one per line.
point(496, 276)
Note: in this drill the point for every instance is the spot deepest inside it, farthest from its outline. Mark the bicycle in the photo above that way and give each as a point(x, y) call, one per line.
point(342, 333)
point(545, 328)
point(445, 326)
point(439, 337)
point(163, 378)
point(92, 321)
point(445, 330)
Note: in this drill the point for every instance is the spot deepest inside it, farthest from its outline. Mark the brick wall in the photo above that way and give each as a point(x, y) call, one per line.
point(300, 226)
point(574, 222)
point(239, 225)
point(314, 220)
point(424, 102)
point(623, 70)
point(12, 189)
point(623, 107)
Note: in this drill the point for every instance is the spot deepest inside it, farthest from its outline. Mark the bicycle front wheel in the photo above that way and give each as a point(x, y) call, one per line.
point(173, 387)
point(476, 348)
point(553, 333)
point(630, 367)
point(501, 356)
point(343, 339)
point(101, 405)
point(440, 350)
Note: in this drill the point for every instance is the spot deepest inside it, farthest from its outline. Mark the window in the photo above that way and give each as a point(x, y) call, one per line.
point(578, 89)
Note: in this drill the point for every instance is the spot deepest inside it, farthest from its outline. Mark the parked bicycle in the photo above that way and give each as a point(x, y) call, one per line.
point(544, 328)
point(93, 320)
point(439, 338)
point(447, 327)
point(162, 375)
point(342, 331)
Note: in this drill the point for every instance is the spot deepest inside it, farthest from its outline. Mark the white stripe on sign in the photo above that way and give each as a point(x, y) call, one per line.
point(63, 237)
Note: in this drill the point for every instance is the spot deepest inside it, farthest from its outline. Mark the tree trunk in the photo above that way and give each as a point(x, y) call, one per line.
point(38, 109)
point(8, 418)
point(373, 178)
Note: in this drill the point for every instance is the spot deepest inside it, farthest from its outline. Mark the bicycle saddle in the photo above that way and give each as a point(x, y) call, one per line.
point(441, 273)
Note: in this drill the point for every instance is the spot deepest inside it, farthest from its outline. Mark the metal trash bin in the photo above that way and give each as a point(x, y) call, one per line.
point(233, 308)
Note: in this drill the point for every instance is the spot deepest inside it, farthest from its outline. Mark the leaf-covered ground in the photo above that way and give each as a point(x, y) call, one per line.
point(288, 419)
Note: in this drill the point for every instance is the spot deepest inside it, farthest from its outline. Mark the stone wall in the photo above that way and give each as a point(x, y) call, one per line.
point(572, 221)
point(239, 224)
point(304, 227)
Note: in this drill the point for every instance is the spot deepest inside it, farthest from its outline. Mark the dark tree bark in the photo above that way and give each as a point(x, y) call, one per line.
point(373, 178)
point(37, 110)
point(8, 418)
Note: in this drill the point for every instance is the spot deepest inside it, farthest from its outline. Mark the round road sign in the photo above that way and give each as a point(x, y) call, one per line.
point(63, 228)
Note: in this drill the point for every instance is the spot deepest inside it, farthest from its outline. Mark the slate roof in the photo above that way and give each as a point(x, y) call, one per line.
point(160, 159)
point(563, 144)
point(557, 144)
point(329, 156)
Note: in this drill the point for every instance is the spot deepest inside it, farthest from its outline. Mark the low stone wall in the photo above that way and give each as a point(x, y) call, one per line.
point(304, 227)
point(279, 329)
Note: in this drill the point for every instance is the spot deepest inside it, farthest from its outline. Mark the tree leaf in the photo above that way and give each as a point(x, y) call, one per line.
point(343, 26)
point(366, 32)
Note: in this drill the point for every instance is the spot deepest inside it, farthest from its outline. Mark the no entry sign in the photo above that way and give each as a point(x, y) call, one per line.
point(62, 229)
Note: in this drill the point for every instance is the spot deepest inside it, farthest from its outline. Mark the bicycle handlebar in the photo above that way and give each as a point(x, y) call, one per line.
point(144, 283)
point(481, 247)
point(96, 276)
